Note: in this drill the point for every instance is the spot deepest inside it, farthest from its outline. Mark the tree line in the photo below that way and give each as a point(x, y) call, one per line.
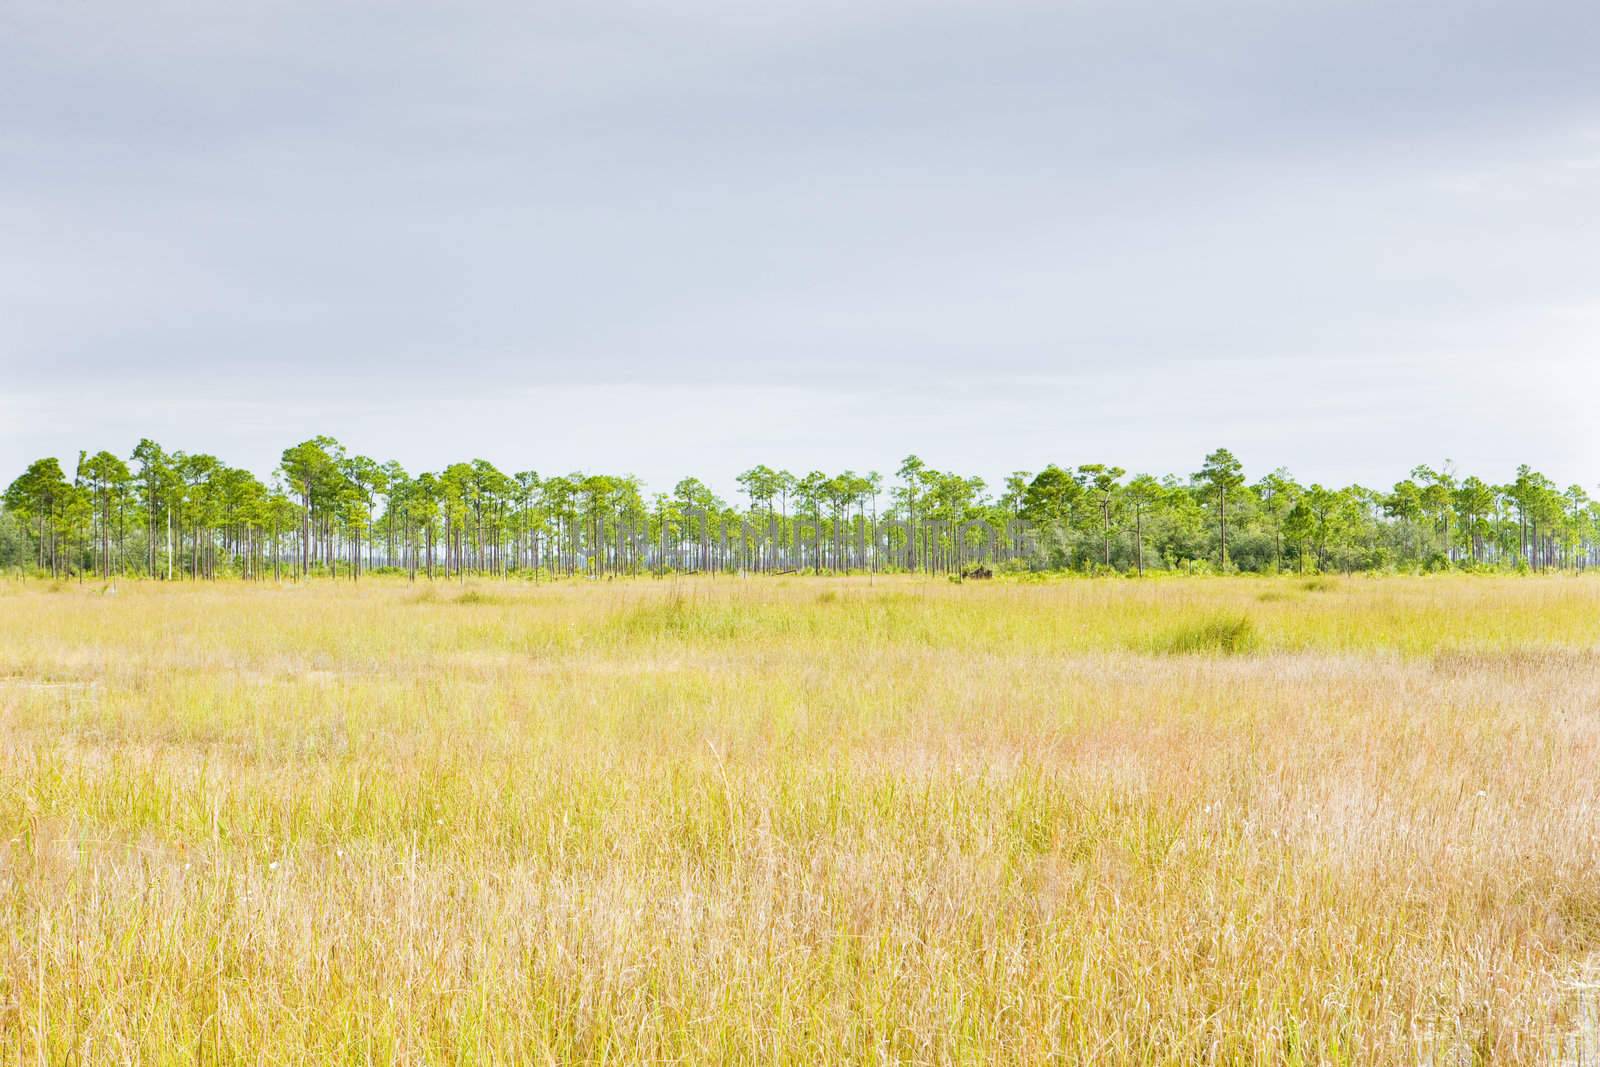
point(325, 511)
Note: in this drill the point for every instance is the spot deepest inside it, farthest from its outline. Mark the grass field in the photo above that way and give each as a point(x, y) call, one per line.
point(801, 821)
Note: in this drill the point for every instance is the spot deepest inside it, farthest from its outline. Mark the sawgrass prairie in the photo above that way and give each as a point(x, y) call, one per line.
point(801, 820)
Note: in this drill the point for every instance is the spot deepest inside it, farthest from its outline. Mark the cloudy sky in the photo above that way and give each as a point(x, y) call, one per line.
point(690, 236)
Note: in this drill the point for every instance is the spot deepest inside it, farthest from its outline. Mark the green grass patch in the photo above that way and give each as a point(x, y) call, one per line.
point(1223, 635)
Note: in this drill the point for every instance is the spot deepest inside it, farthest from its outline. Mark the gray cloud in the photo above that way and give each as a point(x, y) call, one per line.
point(1009, 231)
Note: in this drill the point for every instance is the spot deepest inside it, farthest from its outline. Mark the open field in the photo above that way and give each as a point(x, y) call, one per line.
point(800, 821)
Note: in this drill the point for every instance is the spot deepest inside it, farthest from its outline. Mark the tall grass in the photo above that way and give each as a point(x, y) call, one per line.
point(1222, 634)
point(800, 821)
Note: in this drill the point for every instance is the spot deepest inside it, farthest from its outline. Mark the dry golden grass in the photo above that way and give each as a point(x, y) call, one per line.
point(799, 821)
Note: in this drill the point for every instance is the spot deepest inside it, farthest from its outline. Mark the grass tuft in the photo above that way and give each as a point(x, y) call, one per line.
point(1226, 635)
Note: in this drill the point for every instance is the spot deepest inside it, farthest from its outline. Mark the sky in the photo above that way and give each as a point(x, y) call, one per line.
point(684, 237)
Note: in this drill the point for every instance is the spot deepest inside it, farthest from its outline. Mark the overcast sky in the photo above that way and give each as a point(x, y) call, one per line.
point(691, 236)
